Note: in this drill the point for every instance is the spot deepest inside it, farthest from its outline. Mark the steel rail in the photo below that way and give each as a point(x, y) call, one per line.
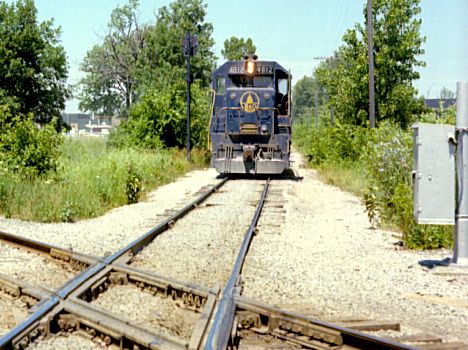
point(218, 336)
point(230, 301)
point(6, 341)
point(278, 318)
point(41, 248)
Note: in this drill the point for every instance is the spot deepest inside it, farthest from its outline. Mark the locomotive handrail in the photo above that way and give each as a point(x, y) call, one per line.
point(211, 117)
point(224, 109)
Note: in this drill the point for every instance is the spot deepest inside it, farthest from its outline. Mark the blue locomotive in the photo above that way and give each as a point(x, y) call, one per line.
point(250, 127)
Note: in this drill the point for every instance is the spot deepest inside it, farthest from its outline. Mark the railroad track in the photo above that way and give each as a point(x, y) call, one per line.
point(205, 316)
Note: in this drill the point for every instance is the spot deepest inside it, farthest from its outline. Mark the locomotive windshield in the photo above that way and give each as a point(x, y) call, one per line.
point(257, 81)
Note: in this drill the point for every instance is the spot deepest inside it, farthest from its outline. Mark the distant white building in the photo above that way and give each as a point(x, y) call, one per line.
point(87, 124)
point(98, 130)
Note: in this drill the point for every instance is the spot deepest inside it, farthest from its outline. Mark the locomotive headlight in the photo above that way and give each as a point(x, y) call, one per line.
point(250, 67)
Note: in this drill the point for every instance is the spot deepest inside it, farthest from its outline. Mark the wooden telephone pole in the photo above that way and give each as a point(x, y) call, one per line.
point(370, 54)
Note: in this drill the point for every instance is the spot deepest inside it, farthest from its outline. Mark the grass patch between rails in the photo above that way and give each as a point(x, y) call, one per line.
point(92, 178)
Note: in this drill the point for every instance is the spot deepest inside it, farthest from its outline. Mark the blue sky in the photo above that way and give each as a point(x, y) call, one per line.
point(292, 32)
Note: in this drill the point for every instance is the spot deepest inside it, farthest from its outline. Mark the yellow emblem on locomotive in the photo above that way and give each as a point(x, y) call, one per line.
point(250, 101)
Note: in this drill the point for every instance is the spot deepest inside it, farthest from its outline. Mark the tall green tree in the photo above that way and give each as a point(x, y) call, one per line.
point(236, 48)
point(33, 67)
point(135, 57)
point(397, 46)
point(158, 119)
point(112, 68)
point(164, 50)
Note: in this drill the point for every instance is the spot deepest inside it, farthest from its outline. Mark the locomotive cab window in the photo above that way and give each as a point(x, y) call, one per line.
point(281, 98)
point(257, 81)
point(283, 86)
point(262, 81)
point(220, 85)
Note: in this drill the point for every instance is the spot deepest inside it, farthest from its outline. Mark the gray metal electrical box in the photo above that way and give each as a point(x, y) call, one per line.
point(434, 174)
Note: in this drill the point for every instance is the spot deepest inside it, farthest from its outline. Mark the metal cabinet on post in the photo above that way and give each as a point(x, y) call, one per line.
point(434, 174)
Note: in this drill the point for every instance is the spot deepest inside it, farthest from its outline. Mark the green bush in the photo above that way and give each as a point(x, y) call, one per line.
point(330, 143)
point(26, 149)
point(132, 185)
point(389, 160)
point(159, 119)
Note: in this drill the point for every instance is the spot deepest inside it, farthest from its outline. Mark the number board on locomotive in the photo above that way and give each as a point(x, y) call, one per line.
point(250, 127)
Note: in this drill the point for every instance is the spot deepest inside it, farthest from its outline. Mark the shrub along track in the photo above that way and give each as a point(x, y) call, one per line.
point(212, 319)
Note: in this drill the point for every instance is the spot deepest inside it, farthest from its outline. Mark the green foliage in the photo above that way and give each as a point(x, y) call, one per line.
point(397, 44)
point(330, 144)
point(389, 158)
point(33, 68)
point(67, 213)
point(440, 116)
point(304, 96)
point(93, 178)
point(138, 72)
point(236, 48)
point(132, 185)
point(382, 159)
point(173, 22)
point(372, 209)
point(26, 150)
point(160, 119)
point(113, 67)
point(98, 92)
point(135, 57)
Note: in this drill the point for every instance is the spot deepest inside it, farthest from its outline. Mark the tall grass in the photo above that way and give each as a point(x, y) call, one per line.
point(91, 179)
point(346, 175)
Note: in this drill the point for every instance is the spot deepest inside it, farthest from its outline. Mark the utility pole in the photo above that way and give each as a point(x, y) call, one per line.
point(189, 48)
point(370, 54)
point(316, 109)
point(460, 246)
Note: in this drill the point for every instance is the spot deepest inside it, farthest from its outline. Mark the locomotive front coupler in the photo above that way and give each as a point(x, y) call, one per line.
point(248, 152)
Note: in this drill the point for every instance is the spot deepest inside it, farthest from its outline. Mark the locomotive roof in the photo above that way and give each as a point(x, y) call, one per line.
point(225, 67)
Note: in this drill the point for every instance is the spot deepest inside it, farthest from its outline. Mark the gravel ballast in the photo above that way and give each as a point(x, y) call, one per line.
point(327, 261)
point(11, 312)
point(321, 259)
point(161, 314)
point(202, 247)
point(32, 268)
point(67, 342)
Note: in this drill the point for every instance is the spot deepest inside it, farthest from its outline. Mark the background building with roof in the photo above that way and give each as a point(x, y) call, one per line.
point(88, 124)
